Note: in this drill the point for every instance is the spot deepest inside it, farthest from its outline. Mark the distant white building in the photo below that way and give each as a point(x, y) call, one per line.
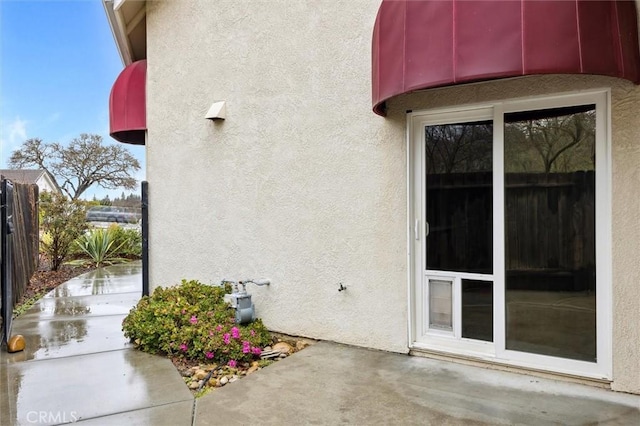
point(40, 177)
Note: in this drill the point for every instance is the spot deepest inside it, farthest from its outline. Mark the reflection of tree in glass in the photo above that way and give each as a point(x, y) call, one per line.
point(551, 143)
point(459, 148)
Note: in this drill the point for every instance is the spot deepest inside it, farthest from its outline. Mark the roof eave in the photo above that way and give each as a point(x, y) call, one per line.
point(114, 10)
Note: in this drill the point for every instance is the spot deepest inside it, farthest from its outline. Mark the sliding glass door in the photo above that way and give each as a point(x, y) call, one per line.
point(509, 261)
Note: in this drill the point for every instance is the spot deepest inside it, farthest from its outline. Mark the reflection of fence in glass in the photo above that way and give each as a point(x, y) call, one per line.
point(460, 216)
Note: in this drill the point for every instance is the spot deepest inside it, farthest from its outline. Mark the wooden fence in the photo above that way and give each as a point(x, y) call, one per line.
point(20, 241)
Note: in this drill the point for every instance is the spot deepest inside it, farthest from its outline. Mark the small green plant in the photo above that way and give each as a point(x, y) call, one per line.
point(99, 245)
point(193, 321)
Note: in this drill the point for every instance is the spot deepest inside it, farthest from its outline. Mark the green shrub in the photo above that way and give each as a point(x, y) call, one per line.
point(99, 245)
point(128, 241)
point(62, 221)
point(193, 321)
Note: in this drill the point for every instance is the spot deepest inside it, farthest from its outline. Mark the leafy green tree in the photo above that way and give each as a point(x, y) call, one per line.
point(62, 221)
point(85, 161)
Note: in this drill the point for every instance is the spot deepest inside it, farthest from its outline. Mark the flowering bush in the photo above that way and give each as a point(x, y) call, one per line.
point(193, 321)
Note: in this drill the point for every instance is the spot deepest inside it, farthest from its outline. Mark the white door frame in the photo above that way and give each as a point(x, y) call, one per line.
point(496, 351)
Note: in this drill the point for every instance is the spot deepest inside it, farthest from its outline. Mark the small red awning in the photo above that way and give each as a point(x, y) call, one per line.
point(127, 105)
point(430, 43)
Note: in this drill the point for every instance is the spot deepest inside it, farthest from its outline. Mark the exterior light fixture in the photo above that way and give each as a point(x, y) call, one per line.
point(217, 111)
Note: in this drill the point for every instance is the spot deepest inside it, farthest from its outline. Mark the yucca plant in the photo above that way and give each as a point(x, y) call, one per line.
point(99, 245)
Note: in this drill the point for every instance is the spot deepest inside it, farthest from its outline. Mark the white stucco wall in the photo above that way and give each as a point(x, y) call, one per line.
point(303, 184)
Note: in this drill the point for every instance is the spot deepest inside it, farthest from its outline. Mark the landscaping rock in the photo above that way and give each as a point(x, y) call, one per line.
point(269, 354)
point(214, 376)
point(301, 344)
point(283, 348)
point(16, 344)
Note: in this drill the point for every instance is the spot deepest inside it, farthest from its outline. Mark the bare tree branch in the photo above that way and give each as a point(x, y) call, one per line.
point(84, 162)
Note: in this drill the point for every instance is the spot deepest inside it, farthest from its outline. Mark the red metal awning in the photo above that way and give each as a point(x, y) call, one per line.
point(431, 43)
point(127, 105)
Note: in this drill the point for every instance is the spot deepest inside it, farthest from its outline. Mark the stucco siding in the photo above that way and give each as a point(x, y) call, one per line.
point(304, 185)
point(301, 183)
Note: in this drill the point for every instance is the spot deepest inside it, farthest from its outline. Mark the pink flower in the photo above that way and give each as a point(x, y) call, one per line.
point(246, 347)
point(235, 332)
point(227, 338)
point(184, 347)
point(209, 355)
point(232, 363)
point(210, 332)
point(193, 319)
point(253, 333)
point(256, 350)
point(218, 327)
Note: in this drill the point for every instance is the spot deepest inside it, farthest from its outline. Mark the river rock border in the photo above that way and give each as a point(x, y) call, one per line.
point(202, 378)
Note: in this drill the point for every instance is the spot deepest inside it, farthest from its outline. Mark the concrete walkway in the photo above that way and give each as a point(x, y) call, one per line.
point(78, 367)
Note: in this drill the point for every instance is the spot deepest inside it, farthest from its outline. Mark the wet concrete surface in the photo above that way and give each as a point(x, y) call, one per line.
point(334, 384)
point(78, 367)
point(88, 386)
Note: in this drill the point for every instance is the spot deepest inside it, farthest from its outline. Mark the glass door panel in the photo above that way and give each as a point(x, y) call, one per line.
point(459, 231)
point(550, 287)
point(477, 310)
point(459, 199)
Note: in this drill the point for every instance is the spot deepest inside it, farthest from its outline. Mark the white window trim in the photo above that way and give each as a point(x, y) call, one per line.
point(496, 351)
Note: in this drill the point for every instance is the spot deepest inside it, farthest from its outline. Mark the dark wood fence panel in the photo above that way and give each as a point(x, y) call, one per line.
point(25, 237)
point(19, 242)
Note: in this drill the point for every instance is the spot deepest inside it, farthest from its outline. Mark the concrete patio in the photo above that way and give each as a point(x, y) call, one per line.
point(78, 367)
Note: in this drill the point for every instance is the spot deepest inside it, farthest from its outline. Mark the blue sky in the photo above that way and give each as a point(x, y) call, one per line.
point(58, 61)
